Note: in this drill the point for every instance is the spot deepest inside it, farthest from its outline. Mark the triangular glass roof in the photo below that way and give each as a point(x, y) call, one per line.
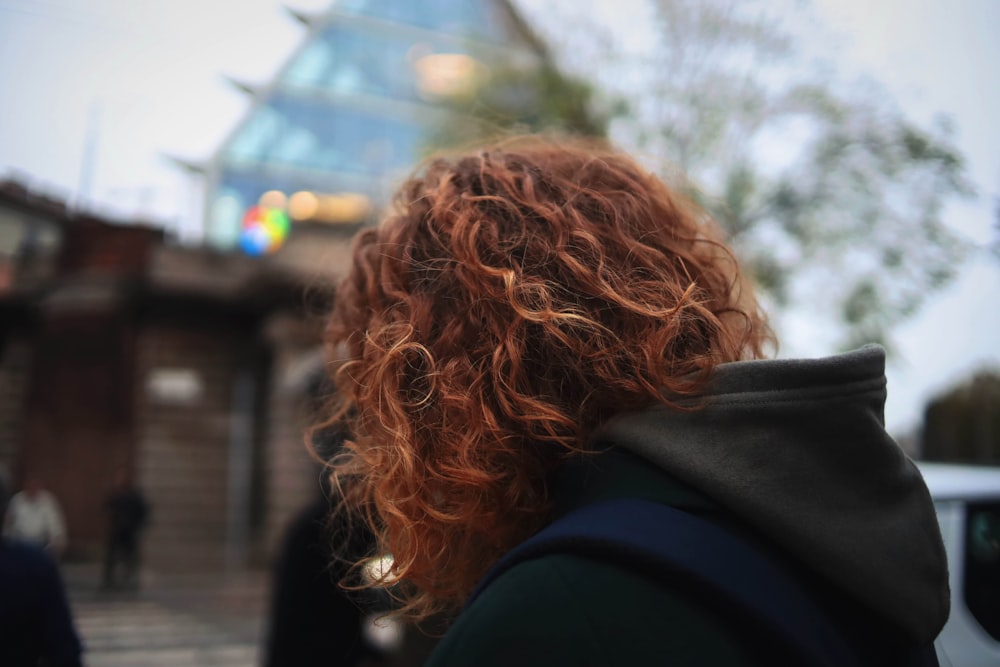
point(355, 105)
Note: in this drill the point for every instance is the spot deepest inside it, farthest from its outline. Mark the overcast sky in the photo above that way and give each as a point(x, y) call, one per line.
point(146, 78)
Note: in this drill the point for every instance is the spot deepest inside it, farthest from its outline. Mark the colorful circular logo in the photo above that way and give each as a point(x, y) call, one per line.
point(264, 230)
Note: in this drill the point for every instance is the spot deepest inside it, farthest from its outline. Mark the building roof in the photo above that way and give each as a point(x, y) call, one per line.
point(348, 112)
point(86, 254)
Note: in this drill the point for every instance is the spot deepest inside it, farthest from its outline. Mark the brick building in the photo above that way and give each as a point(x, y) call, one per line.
point(188, 366)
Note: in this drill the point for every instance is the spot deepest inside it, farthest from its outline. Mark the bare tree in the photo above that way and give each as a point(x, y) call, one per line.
point(832, 196)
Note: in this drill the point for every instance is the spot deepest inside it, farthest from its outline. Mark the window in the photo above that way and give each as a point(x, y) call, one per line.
point(982, 565)
point(312, 65)
point(312, 134)
point(257, 134)
point(471, 18)
point(357, 60)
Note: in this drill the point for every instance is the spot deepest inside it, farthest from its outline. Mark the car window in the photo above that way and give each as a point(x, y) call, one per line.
point(982, 565)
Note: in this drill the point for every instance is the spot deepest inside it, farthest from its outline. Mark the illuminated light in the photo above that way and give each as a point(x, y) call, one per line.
point(344, 208)
point(378, 569)
point(225, 204)
point(448, 74)
point(224, 219)
point(226, 211)
point(340, 208)
point(264, 230)
point(303, 205)
point(273, 199)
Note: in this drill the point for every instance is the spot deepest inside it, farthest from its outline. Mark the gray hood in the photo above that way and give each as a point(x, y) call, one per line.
point(798, 449)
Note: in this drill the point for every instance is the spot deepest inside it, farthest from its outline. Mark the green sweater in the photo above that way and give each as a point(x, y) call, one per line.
point(792, 454)
point(569, 610)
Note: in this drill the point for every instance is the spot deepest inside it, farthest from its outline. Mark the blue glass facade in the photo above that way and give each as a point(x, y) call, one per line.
point(471, 18)
point(313, 133)
point(353, 108)
point(350, 57)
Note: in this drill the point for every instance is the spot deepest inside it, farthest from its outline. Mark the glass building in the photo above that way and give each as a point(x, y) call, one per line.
point(351, 111)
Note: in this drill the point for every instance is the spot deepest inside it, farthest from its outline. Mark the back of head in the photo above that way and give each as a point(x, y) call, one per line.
point(514, 300)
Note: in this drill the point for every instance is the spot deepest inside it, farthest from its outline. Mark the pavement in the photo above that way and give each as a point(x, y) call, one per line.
point(171, 620)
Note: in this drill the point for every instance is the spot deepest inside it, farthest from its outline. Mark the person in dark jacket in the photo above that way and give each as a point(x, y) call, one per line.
point(312, 620)
point(128, 513)
point(542, 326)
point(36, 624)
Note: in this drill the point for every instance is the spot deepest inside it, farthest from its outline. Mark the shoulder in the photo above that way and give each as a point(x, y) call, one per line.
point(586, 612)
point(526, 614)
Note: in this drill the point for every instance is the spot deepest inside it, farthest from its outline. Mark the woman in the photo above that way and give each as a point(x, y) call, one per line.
point(540, 327)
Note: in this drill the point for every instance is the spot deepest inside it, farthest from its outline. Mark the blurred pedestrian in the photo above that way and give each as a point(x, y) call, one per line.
point(36, 625)
point(313, 621)
point(555, 382)
point(35, 516)
point(128, 513)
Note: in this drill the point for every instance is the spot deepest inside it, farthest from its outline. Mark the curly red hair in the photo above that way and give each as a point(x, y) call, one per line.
point(514, 300)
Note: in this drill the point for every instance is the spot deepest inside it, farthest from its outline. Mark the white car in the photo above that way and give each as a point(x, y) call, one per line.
point(967, 499)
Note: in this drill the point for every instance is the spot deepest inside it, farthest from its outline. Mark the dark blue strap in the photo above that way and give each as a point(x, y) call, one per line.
point(705, 557)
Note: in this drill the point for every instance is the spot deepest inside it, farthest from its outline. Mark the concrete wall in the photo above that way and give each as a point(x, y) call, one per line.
point(292, 475)
point(183, 433)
